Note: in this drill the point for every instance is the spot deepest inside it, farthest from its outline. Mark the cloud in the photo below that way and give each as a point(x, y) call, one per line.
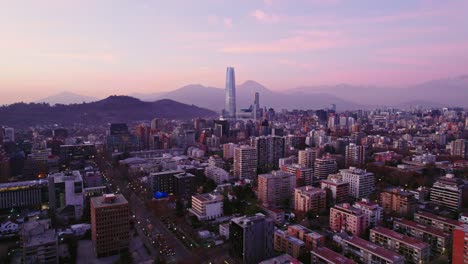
point(297, 64)
point(227, 22)
point(261, 16)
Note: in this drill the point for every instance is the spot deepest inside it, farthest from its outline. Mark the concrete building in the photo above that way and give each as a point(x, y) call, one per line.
point(324, 167)
point(275, 188)
point(281, 259)
point(323, 255)
point(228, 150)
point(251, 238)
point(370, 253)
point(39, 243)
point(284, 243)
point(24, 194)
point(304, 175)
point(66, 190)
point(339, 190)
point(397, 201)
point(230, 99)
point(448, 191)
point(207, 206)
point(373, 212)
point(163, 181)
point(184, 184)
point(245, 162)
point(312, 239)
point(269, 150)
point(459, 248)
point(215, 161)
point(459, 148)
point(438, 222)
point(438, 240)
point(361, 182)
point(308, 198)
point(344, 217)
point(355, 155)
point(110, 224)
point(413, 250)
point(218, 175)
point(308, 156)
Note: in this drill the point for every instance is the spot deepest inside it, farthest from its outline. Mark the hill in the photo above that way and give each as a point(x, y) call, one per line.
point(111, 109)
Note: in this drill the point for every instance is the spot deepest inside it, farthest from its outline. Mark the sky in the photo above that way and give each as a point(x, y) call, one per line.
point(103, 47)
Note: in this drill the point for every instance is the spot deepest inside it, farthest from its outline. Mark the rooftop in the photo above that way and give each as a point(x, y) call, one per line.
point(282, 259)
point(37, 233)
point(331, 256)
point(207, 197)
point(438, 218)
point(397, 236)
point(21, 185)
point(112, 199)
point(424, 228)
point(371, 247)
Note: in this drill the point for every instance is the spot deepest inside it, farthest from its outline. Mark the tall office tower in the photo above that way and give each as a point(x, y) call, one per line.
point(324, 167)
point(256, 107)
point(397, 201)
point(39, 242)
point(230, 100)
point(459, 249)
point(275, 188)
point(9, 134)
point(245, 162)
point(361, 182)
point(304, 175)
point(251, 238)
point(143, 133)
point(344, 217)
point(459, 148)
point(157, 124)
point(308, 156)
point(309, 198)
point(110, 224)
point(355, 155)
point(66, 190)
point(448, 192)
point(269, 150)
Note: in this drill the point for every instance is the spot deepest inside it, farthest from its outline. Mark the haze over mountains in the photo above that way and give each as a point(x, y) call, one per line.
point(435, 93)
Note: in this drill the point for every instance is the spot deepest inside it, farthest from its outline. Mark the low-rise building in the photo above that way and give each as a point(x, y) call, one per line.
point(207, 206)
point(40, 244)
point(370, 253)
point(438, 240)
point(285, 243)
point(281, 259)
point(438, 222)
point(323, 255)
point(413, 250)
point(312, 239)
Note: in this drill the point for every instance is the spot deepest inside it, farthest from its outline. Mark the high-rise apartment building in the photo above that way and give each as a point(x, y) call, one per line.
point(245, 162)
point(344, 217)
point(308, 156)
point(251, 238)
point(397, 201)
point(275, 188)
point(110, 224)
point(304, 175)
point(324, 167)
point(355, 155)
point(308, 198)
point(338, 190)
point(269, 150)
point(459, 148)
point(373, 212)
point(448, 191)
point(230, 99)
point(361, 182)
point(228, 150)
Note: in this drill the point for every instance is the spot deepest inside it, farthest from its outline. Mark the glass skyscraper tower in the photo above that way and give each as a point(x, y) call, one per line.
point(230, 99)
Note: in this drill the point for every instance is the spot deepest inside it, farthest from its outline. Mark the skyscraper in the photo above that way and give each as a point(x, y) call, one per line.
point(230, 99)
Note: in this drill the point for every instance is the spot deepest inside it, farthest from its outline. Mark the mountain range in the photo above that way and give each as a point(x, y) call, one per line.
point(436, 93)
point(111, 109)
